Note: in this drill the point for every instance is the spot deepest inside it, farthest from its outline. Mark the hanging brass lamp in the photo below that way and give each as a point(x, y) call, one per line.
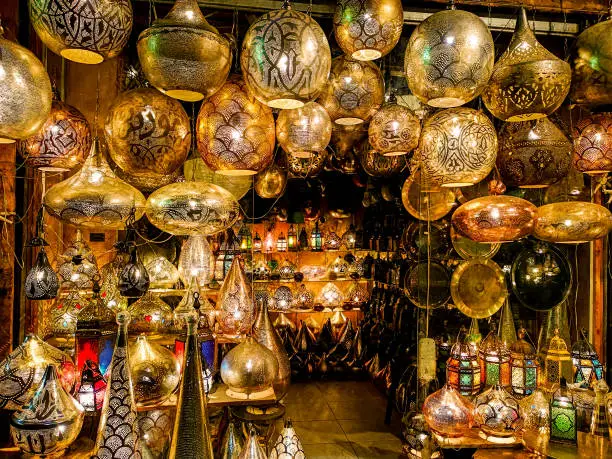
point(533, 154)
point(94, 197)
point(593, 144)
point(83, 31)
point(196, 169)
point(377, 165)
point(236, 311)
point(354, 92)
point(572, 222)
point(235, 131)
point(449, 58)
point(25, 92)
point(183, 56)
point(458, 147)
point(424, 200)
point(394, 130)
point(304, 132)
point(368, 29)
point(528, 81)
point(285, 58)
point(271, 182)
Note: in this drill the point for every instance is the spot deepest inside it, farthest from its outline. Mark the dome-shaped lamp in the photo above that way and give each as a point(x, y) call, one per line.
point(572, 222)
point(593, 144)
point(235, 132)
point(449, 58)
point(448, 413)
point(83, 31)
point(270, 183)
point(394, 130)
point(377, 165)
point(62, 143)
point(498, 414)
point(182, 55)
point(528, 81)
point(354, 91)
point(94, 197)
point(285, 58)
point(148, 133)
point(25, 92)
point(304, 132)
point(458, 147)
point(368, 29)
point(151, 316)
point(533, 154)
point(494, 219)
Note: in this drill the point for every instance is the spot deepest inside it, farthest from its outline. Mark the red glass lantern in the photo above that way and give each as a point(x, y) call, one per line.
point(91, 388)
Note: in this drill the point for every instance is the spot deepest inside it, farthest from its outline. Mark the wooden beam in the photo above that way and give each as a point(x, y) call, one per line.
point(548, 6)
point(598, 317)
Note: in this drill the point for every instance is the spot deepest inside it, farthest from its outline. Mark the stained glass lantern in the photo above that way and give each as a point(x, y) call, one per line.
point(91, 387)
point(494, 358)
point(593, 144)
point(332, 241)
point(498, 414)
point(41, 282)
point(281, 243)
point(448, 413)
point(285, 58)
point(304, 132)
point(196, 260)
point(77, 276)
point(316, 239)
point(236, 311)
point(303, 240)
point(394, 130)
point(557, 361)
point(283, 298)
point(246, 238)
point(292, 239)
point(463, 369)
point(162, 273)
point(151, 316)
point(563, 426)
point(257, 243)
point(286, 270)
point(572, 222)
point(587, 366)
point(458, 147)
point(330, 296)
point(524, 366)
point(354, 92)
point(304, 298)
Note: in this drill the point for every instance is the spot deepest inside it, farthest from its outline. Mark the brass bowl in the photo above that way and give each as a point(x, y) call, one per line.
point(478, 288)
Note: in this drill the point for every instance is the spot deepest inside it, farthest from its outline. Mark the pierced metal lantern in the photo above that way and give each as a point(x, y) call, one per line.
point(354, 92)
point(287, 445)
point(287, 269)
point(463, 369)
point(304, 298)
point(182, 55)
point(494, 358)
point(133, 278)
point(458, 147)
point(25, 92)
point(332, 241)
point(283, 298)
point(306, 167)
point(41, 282)
point(304, 132)
point(557, 362)
point(270, 183)
point(77, 265)
point(235, 310)
point(246, 238)
point(498, 414)
point(162, 273)
point(394, 130)
point(257, 242)
point(292, 239)
point(377, 165)
point(449, 58)
point(235, 131)
point(524, 366)
point(330, 296)
point(572, 222)
point(151, 316)
point(420, 443)
point(563, 425)
point(83, 31)
point(368, 29)
point(528, 81)
point(285, 58)
point(196, 260)
point(91, 387)
point(587, 366)
point(593, 144)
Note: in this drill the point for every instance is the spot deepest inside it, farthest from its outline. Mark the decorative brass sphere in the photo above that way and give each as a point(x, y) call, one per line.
point(394, 130)
point(270, 183)
point(449, 58)
point(458, 147)
point(235, 131)
point(306, 167)
point(184, 56)
point(593, 144)
point(377, 165)
point(285, 58)
point(305, 131)
point(528, 81)
point(592, 78)
point(533, 154)
point(368, 29)
point(148, 133)
point(354, 91)
point(25, 92)
point(83, 31)
point(572, 222)
point(146, 183)
point(62, 143)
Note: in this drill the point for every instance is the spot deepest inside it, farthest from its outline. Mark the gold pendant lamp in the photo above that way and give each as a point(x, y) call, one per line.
point(394, 129)
point(184, 56)
point(593, 144)
point(528, 81)
point(285, 58)
point(572, 222)
point(196, 169)
point(83, 31)
point(271, 182)
point(304, 132)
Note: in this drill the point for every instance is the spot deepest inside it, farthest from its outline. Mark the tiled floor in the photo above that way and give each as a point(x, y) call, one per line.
point(340, 419)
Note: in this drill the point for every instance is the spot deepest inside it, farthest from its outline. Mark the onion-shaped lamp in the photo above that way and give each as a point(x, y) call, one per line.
point(162, 273)
point(25, 92)
point(235, 132)
point(492, 219)
point(448, 413)
point(593, 144)
point(285, 58)
point(572, 222)
point(458, 147)
point(183, 56)
point(528, 81)
point(498, 414)
point(94, 197)
point(449, 58)
point(394, 130)
point(62, 143)
point(533, 154)
point(304, 132)
point(354, 92)
point(368, 29)
point(151, 317)
point(236, 311)
point(83, 31)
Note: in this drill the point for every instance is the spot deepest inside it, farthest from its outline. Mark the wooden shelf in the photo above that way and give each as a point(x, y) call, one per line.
point(292, 281)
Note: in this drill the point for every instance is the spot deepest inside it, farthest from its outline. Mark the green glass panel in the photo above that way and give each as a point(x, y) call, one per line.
point(492, 374)
point(531, 379)
point(563, 425)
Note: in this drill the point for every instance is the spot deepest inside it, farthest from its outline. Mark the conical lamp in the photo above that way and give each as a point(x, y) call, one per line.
point(394, 130)
point(265, 334)
point(287, 445)
point(232, 443)
point(94, 197)
point(182, 55)
point(304, 132)
point(285, 58)
point(25, 92)
point(42, 282)
point(528, 81)
point(196, 260)
point(235, 311)
point(252, 449)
